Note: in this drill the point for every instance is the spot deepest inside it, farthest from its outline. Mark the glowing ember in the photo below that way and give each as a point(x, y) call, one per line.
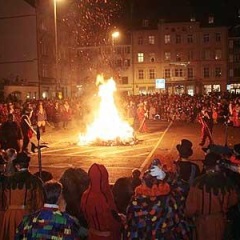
point(108, 127)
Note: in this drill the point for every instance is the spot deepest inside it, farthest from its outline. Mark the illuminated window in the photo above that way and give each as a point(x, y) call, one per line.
point(167, 38)
point(206, 72)
point(151, 73)
point(140, 74)
point(216, 88)
point(210, 19)
point(140, 57)
point(206, 38)
point(167, 56)
point(207, 89)
point(189, 38)
point(218, 72)
point(167, 73)
point(218, 54)
point(151, 40)
point(218, 37)
point(140, 40)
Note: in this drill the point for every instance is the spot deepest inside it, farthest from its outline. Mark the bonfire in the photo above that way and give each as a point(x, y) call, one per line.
point(107, 128)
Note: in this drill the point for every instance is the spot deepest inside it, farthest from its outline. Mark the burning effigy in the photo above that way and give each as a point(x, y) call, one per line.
point(107, 128)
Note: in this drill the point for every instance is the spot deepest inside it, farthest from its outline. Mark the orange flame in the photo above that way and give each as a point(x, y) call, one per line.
point(108, 125)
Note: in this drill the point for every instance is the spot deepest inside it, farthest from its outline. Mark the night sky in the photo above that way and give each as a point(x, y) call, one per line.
point(225, 11)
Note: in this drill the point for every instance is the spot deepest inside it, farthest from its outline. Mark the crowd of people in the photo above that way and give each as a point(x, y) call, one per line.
point(173, 199)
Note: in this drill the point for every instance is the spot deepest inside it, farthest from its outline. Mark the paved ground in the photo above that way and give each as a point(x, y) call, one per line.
point(63, 151)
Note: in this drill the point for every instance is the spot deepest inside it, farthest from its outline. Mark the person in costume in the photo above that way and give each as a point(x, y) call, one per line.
point(75, 181)
point(209, 198)
point(11, 134)
point(98, 207)
point(3, 164)
point(206, 121)
point(153, 212)
point(187, 170)
point(41, 116)
point(49, 222)
point(26, 127)
point(22, 194)
point(142, 116)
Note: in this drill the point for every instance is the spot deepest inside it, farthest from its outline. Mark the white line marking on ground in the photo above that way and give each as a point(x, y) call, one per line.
point(146, 161)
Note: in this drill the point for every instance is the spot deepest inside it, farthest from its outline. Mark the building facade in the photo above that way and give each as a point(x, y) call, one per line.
point(192, 59)
point(39, 50)
point(234, 60)
point(18, 46)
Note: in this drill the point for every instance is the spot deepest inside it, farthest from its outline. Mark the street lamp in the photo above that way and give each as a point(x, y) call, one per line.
point(56, 45)
point(115, 35)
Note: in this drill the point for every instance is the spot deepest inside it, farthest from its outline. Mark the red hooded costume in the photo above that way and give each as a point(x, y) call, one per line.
point(98, 206)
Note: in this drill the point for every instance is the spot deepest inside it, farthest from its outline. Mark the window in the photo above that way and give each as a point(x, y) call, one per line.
point(190, 55)
point(127, 49)
point(140, 57)
point(124, 80)
point(178, 38)
point(167, 38)
point(119, 63)
point(210, 19)
point(178, 57)
point(236, 72)
point(206, 54)
point(189, 38)
point(206, 72)
point(152, 57)
point(126, 63)
point(152, 73)
point(237, 58)
point(140, 40)
point(218, 37)
point(140, 74)
point(145, 23)
point(167, 73)
point(216, 88)
point(151, 40)
point(207, 89)
point(178, 72)
point(206, 38)
point(190, 73)
point(218, 72)
point(218, 54)
point(231, 72)
point(167, 56)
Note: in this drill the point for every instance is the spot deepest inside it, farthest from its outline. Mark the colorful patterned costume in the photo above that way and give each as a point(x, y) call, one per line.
point(48, 223)
point(154, 216)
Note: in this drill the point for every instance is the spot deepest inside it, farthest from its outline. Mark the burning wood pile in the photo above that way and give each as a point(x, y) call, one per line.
point(107, 128)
